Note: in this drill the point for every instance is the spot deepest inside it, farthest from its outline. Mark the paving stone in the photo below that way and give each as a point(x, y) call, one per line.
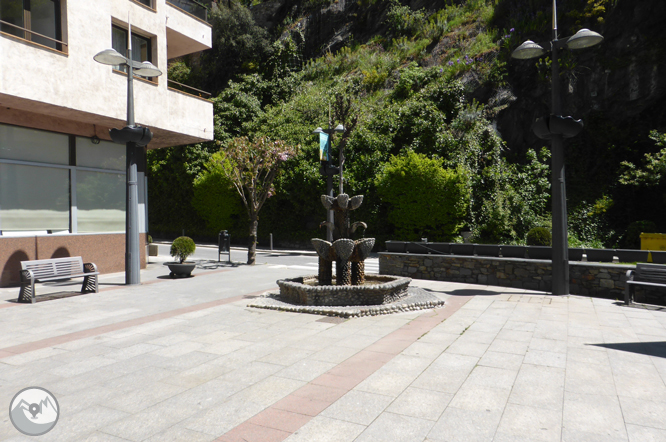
point(390, 427)
point(530, 423)
point(457, 425)
point(420, 403)
point(323, 429)
point(358, 407)
point(593, 414)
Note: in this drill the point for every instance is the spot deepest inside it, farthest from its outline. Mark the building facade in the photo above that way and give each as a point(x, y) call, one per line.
point(62, 180)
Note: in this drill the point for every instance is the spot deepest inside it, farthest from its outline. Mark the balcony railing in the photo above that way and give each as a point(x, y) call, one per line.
point(196, 8)
point(188, 89)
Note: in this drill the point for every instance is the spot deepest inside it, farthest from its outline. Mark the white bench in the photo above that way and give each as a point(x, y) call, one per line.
point(56, 269)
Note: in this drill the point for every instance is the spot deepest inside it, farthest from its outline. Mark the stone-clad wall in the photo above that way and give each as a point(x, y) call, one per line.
point(586, 278)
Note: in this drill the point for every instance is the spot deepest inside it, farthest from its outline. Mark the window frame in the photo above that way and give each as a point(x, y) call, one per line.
point(150, 40)
point(60, 20)
point(73, 167)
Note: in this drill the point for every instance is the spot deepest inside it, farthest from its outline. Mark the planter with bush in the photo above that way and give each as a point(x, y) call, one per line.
point(181, 248)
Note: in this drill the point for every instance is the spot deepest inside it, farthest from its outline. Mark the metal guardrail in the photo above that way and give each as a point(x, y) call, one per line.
point(32, 32)
point(188, 89)
point(196, 8)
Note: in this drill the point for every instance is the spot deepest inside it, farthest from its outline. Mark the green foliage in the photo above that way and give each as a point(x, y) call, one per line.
point(654, 166)
point(240, 46)
point(632, 237)
point(216, 200)
point(179, 71)
point(539, 236)
point(402, 21)
point(149, 239)
point(182, 247)
point(589, 226)
point(170, 188)
point(425, 200)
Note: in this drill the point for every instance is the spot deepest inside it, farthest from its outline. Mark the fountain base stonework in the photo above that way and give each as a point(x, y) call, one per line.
point(415, 299)
point(351, 292)
point(376, 291)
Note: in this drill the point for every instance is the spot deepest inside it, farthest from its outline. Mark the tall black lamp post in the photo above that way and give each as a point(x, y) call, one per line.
point(555, 127)
point(134, 137)
point(326, 167)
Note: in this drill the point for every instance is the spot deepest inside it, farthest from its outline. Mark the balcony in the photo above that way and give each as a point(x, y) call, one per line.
point(199, 9)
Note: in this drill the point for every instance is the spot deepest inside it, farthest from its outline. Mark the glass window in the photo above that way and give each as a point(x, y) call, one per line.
point(12, 12)
point(146, 2)
point(42, 17)
point(33, 198)
point(141, 47)
point(100, 199)
point(105, 155)
point(20, 143)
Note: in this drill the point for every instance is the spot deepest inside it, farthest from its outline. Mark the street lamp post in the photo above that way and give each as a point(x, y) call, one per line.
point(327, 169)
point(134, 137)
point(556, 128)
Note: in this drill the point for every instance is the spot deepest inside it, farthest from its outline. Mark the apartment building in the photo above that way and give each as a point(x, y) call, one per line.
point(62, 179)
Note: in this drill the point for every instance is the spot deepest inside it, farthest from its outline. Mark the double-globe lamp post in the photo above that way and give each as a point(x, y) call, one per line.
point(556, 128)
point(134, 137)
point(327, 169)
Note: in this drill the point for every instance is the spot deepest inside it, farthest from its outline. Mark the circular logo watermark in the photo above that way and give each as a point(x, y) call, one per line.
point(34, 411)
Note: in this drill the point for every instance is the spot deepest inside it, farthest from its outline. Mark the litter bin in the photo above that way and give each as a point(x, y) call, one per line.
point(224, 245)
point(653, 241)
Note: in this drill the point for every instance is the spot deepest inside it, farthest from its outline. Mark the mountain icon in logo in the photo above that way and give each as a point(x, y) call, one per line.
point(34, 411)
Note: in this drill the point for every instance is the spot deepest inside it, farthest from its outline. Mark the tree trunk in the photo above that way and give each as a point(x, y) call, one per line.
point(252, 246)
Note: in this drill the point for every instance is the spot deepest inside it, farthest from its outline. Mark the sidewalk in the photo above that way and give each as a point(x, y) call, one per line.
point(186, 360)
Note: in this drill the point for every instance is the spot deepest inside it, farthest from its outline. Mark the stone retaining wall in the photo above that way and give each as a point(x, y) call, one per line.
point(586, 278)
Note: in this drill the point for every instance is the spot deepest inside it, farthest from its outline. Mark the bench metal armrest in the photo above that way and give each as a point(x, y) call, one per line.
point(90, 284)
point(27, 292)
point(627, 289)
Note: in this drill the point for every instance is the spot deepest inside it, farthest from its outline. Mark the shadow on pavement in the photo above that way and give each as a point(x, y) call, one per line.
point(657, 349)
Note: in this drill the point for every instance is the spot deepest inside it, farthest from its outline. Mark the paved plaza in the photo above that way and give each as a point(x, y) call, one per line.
point(187, 360)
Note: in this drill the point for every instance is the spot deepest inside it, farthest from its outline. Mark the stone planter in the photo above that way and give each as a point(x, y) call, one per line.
point(395, 246)
point(600, 255)
point(658, 256)
point(576, 254)
point(540, 252)
point(152, 250)
point(514, 251)
point(625, 255)
point(462, 249)
point(488, 250)
point(181, 270)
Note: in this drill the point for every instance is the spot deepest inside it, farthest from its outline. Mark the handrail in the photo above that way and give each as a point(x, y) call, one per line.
point(182, 5)
point(32, 32)
point(199, 91)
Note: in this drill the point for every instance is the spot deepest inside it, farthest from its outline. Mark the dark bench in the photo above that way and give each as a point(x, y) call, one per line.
point(56, 269)
point(645, 275)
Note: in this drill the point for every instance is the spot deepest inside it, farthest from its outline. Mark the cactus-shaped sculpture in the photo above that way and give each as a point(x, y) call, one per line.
point(349, 255)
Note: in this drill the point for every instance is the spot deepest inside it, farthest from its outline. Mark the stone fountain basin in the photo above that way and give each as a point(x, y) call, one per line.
point(378, 289)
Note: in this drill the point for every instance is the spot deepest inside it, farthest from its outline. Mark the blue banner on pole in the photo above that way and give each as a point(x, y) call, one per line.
point(324, 147)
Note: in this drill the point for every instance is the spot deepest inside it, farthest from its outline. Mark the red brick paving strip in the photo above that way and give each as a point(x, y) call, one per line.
point(285, 417)
point(50, 342)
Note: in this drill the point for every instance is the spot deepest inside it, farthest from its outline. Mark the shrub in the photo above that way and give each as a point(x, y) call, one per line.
point(632, 237)
point(182, 247)
point(149, 239)
point(539, 236)
point(425, 200)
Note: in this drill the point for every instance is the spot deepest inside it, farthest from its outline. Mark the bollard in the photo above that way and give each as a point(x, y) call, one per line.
point(271, 241)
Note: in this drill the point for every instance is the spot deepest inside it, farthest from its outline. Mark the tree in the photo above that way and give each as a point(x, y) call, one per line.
point(252, 166)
